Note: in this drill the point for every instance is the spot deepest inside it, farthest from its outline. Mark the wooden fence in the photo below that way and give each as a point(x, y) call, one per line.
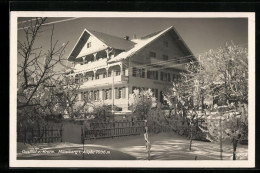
point(117, 129)
point(48, 134)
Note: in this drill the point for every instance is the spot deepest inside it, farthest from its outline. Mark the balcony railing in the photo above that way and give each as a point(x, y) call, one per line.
point(91, 65)
point(105, 81)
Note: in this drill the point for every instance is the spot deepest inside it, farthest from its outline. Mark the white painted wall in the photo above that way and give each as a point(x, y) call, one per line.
point(96, 45)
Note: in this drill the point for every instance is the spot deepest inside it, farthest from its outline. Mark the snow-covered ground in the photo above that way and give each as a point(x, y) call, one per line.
point(165, 146)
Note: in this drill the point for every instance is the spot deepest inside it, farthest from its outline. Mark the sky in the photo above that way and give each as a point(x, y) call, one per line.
point(200, 34)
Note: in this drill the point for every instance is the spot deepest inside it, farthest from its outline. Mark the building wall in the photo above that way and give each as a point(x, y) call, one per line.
point(139, 60)
point(120, 102)
point(96, 45)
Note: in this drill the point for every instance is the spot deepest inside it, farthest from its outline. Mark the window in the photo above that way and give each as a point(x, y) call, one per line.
point(105, 94)
point(165, 43)
point(161, 97)
point(82, 96)
point(77, 78)
point(85, 95)
point(120, 93)
point(96, 95)
point(156, 93)
point(139, 72)
point(91, 95)
point(168, 77)
point(88, 44)
point(117, 73)
point(134, 71)
point(173, 77)
point(143, 73)
point(165, 57)
point(152, 75)
point(152, 54)
point(165, 76)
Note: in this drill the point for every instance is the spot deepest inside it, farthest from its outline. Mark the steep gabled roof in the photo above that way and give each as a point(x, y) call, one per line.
point(113, 41)
point(148, 39)
point(130, 47)
point(108, 40)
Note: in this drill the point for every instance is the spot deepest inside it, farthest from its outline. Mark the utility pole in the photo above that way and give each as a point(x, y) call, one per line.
point(113, 94)
point(83, 138)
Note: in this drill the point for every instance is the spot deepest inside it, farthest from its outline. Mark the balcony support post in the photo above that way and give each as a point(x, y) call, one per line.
point(121, 69)
point(84, 57)
point(95, 56)
point(106, 71)
point(95, 71)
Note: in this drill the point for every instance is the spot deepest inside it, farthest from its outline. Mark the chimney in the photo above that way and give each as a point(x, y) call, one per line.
point(134, 36)
point(126, 37)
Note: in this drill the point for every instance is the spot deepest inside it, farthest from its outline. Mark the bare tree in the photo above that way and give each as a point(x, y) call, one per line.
point(43, 88)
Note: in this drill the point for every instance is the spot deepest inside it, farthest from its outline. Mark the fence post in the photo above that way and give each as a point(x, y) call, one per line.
point(83, 138)
point(52, 134)
point(25, 135)
point(220, 138)
point(32, 136)
point(61, 132)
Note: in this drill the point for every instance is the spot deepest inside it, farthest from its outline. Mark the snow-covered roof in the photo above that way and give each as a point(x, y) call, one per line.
point(109, 41)
point(129, 47)
point(140, 43)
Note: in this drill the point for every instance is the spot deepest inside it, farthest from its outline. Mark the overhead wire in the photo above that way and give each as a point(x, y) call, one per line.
point(53, 22)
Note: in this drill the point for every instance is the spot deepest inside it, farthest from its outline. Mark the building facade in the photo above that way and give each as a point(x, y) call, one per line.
point(109, 68)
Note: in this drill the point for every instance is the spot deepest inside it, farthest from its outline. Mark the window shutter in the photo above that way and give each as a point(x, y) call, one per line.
point(161, 97)
point(116, 93)
point(110, 94)
point(103, 94)
point(143, 73)
point(134, 71)
point(97, 95)
point(92, 95)
point(86, 95)
point(161, 75)
point(156, 75)
point(123, 93)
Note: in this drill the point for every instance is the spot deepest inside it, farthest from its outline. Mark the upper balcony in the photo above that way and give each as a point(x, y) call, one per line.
point(102, 62)
point(104, 81)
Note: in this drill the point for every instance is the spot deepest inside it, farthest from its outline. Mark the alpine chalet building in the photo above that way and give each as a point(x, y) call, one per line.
point(109, 68)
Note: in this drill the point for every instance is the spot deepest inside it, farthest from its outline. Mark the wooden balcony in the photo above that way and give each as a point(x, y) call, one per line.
point(91, 65)
point(105, 81)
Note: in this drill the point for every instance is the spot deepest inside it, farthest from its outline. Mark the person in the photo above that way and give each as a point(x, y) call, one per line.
point(148, 143)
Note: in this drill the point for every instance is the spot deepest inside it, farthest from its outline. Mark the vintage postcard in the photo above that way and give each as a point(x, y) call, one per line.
point(132, 89)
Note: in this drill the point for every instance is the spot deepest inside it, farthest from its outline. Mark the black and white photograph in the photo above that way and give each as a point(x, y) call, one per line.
point(132, 89)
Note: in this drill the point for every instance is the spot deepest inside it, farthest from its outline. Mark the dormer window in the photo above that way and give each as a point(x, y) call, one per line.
point(88, 44)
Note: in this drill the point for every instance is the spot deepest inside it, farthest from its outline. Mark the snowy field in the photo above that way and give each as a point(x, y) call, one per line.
point(165, 146)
